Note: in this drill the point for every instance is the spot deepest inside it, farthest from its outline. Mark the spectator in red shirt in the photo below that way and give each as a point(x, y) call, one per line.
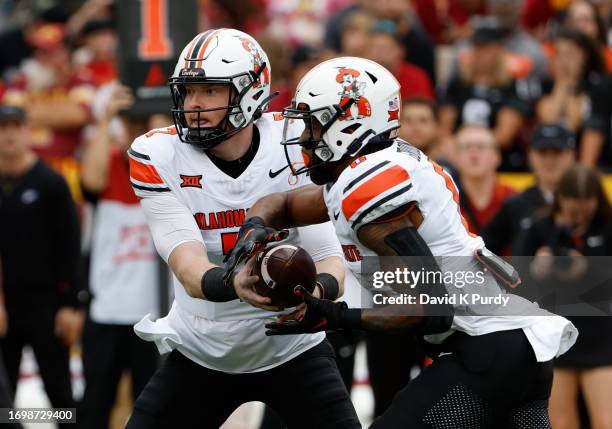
point(98, 55)
point(57, 100)
point(386, 48)
point(477, 160)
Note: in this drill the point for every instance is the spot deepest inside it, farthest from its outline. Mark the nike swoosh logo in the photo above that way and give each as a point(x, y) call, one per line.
point(273, 174)
point(336, 215)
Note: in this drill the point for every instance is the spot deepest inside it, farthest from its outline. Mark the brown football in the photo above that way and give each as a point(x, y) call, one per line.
point(280, 269)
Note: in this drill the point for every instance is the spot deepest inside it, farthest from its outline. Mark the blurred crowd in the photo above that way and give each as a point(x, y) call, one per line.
point(486, 86)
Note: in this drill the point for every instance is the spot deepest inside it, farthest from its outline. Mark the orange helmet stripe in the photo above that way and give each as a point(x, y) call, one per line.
point(194, 42)
point(200, 54)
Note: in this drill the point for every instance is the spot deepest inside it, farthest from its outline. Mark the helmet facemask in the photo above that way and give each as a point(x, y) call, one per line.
point(317, 122)
point(234, 119)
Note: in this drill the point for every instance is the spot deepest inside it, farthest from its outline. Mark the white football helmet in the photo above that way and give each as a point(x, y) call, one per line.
point(221, 56)
point(354, 102)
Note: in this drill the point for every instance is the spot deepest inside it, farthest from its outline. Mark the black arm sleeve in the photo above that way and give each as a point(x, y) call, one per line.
point(407, 242)
point(66, 237)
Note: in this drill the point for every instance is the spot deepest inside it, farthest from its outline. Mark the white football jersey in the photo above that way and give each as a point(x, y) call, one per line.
point(227, 336)
point(380, 183)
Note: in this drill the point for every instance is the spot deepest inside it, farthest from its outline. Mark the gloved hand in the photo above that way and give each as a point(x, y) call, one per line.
point(252, 238)
point(321, 315)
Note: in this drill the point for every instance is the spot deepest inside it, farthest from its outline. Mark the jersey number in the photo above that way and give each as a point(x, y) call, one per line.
point(228, 241)
point(154, 43)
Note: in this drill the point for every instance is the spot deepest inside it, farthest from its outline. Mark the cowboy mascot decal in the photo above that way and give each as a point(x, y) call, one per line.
point(352, 89)
point(258, 62)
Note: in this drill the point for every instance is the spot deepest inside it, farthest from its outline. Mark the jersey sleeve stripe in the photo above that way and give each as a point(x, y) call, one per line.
point(450, 185)
point(372, 188)
point(447, 180)
point(135, 154)
point(380, 203)
point(147, 188)
point(364, 175)
point(145, 173)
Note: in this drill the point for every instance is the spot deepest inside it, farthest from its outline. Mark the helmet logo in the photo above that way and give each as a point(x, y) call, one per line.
point(192, 73)
point(257, 61)
point(352, 89)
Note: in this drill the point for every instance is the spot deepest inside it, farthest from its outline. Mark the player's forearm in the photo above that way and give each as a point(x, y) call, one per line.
point(190, 278)
point(334, 266)
point(383, 320)
point(189, 263)
point(298, 207)
point(406, 318)
point(273, 210)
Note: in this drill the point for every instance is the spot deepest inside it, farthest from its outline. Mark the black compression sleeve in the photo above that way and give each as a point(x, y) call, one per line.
point(213, 287)
point(408, 242)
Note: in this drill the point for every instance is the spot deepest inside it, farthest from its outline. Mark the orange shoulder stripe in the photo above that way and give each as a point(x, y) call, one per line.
point(144, 173)
point(372, 188)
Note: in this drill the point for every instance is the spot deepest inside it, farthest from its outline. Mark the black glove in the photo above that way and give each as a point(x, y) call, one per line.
point(252, 237)
point(321, 315)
